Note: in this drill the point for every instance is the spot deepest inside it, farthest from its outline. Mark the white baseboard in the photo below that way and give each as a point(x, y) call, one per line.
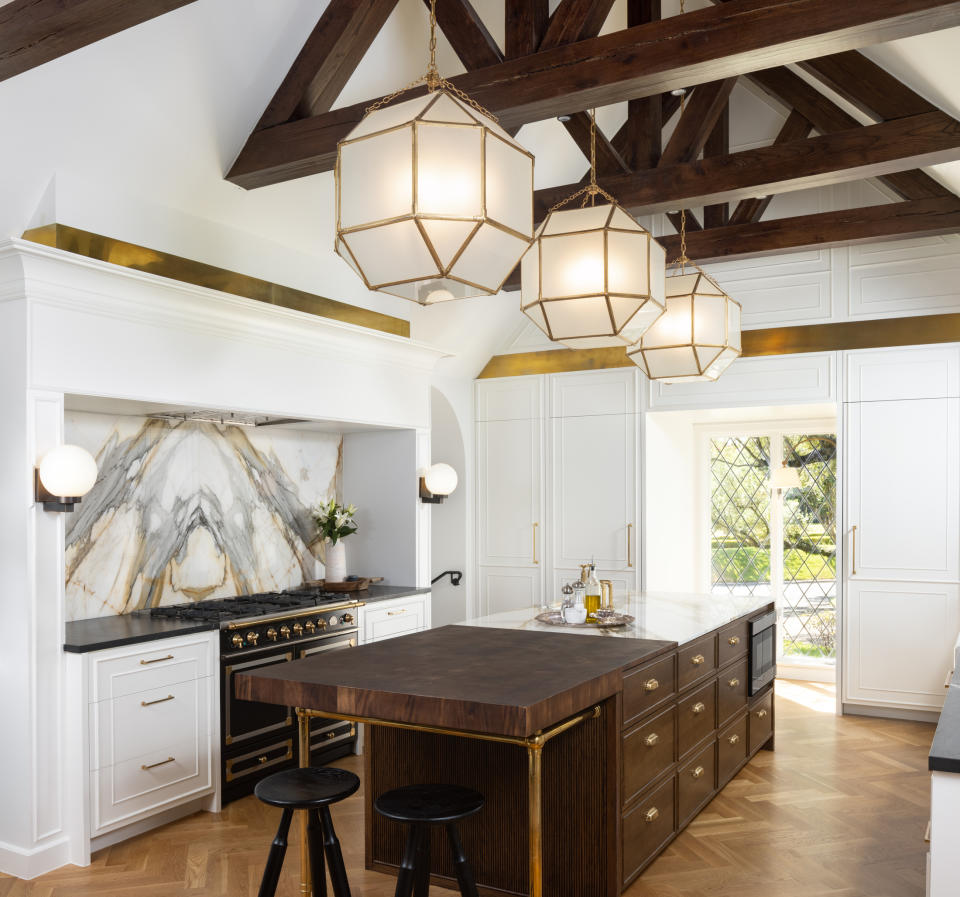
point(917, 716)
point(29, 863)
point(806, 672)
point(151, 822)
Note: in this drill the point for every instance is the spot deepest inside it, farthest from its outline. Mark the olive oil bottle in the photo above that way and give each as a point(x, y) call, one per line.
point(592, 599)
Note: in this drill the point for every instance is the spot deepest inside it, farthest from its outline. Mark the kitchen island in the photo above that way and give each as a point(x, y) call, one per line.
point(592, 752)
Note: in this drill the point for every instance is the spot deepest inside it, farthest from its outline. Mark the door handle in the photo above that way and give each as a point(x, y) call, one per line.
point(629, 540)
point(535, 543)
point(853, 553)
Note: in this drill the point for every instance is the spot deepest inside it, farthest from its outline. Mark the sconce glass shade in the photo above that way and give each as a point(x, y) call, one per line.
point(785, 478)
point(68, 471)
point(440, 479)
point(434, 200)
point(697, 337)
point(594, 277)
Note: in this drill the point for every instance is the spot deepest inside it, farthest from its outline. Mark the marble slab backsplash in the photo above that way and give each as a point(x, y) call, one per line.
point(188, 511)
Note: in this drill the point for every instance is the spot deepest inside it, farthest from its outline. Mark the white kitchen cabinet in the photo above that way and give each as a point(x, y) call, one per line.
point(903, 495)
point(510, 588)
point(381, 620)
point(898, 643)
point(912, 372)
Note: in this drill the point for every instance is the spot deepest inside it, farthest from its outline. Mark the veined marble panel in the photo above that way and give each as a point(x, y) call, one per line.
point(187, 511)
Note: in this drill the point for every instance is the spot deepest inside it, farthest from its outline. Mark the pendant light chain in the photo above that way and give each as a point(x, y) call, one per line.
point(683, 260)
point(592, 190)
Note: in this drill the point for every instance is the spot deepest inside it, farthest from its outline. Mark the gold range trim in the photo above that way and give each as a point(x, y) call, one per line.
point(174, 267)
point(533, 745)
point(271, 618)
point(917, 330)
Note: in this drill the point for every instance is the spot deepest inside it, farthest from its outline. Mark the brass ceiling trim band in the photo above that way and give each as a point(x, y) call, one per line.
point(874, 334)
point(165, 264)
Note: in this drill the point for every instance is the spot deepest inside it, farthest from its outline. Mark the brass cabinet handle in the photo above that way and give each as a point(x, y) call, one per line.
point(262, 759)
point(733, 683)
point(629, 553)
point(651, 685)
point(158, 701)
point(535, 543)
point(155, 765)
point(733, 640)
point(853, 553)
point(698, 772)
point(697, 659)
point(395, 613)
point(761, 714)
point(733, 739)
point(156, 660)
point(699, 707)
point(652, 814)
point(651, 739)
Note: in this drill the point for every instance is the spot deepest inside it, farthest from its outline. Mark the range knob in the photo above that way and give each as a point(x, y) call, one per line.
point(310, 626)
point(297, 629)
point(348, 618)
point(237, 640)
point(321, 624)
point(285, 631)
point(253, 637)
point(272, 634)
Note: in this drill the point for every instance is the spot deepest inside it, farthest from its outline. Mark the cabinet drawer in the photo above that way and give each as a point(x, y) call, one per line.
point(648, 827)
point(696, 717)
point(731, 749)
point(732, 685)
point(761, 721)
point(132, 726)
point(733, 641)
point(648, 687)
point(395, 619)
point(148, 666)
point(696, 660)
point(144, 785)
point(262, 758)
point(648, 751)
point(696, 782)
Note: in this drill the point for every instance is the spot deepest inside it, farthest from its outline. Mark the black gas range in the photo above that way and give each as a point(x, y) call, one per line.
point(258, 631)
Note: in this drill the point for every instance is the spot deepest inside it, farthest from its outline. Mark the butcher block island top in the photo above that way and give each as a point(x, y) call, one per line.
point(493, 681)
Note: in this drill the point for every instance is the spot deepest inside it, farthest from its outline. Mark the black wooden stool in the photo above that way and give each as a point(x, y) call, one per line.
point(312, 789)
point(422, 806)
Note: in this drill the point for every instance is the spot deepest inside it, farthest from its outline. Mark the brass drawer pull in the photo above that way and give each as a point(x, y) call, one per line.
point(761, 714)
point(733, 739)
point(651, 739)
point(156, 660)
point(652, 814)
point(155, 765)
point(698, 772)
point(697, 659)
point(699, 707)
point(158, 701)
point(262, 759)
point(733, 683)
point(395, 613)
point(733, 640)
point(651, 685)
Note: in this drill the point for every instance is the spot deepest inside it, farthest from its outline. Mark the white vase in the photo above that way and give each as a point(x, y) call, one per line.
point(335, 565)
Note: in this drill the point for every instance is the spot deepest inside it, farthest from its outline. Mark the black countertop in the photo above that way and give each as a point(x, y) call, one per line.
point(128, 629)
point(945, 750)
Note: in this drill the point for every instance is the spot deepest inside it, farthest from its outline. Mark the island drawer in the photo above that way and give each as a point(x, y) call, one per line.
point(696, 660)
point(734, 641)
point(648, 751)
point(696, 717)
point(648, 827)
point(648, 687)
point(696, 782)
point(731, 749)
point(732, 686)
point(761, 721)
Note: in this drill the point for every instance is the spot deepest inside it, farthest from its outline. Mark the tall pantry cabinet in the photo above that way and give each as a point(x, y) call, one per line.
point(902, 522)
point(558, 484)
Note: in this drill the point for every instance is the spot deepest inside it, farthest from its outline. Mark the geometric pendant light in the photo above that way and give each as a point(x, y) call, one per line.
point(593, 277)
point(434, 198)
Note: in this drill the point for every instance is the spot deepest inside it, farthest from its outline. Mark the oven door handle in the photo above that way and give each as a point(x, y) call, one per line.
point(350, 643)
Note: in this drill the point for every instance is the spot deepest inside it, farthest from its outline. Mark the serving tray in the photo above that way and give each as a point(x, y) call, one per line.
point(553, 618)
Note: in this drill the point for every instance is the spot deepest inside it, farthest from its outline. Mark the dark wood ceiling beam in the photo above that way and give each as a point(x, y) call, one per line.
point(609, 161)
point(327, 59)
point(643, 128)
point(849, 155)
point(33, 32)
point(696, 122)
point(524, 24)
point(738, 37)
point(718, 144)
point(575, 20)
point(796, 127)
point(896, 221)
point(466, 33)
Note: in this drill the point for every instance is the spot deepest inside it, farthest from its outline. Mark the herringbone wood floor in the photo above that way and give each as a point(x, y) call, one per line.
point(838, 811)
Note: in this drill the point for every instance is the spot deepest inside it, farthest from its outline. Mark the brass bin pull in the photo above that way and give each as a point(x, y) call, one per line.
point(853, 553)
point(733, 739)
point(733, 640)
point(158, 701)
point(535, 543)
point(697, 659)
point(629, 540)
point(733, 683)
point(698, 772)
point(651, 739)
point(155, 765)
point(651, 685)
point(156, 660)
point(699, 707)
point(652, 814)
point(761, 714)
point(394, 613)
